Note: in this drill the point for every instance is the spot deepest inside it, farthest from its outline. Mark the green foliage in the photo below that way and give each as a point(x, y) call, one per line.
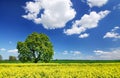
point(12, 58)
point(36, 47)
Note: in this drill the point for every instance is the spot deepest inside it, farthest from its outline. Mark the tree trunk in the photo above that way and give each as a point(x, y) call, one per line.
point(35, 61)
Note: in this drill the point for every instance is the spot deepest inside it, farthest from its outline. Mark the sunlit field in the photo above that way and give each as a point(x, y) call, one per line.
point(60, 70)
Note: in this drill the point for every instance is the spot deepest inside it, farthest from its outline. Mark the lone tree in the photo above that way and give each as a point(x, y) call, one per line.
point(12, 58)
point(36, 47)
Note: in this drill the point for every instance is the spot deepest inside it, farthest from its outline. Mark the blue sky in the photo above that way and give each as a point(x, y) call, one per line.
point(78, 29)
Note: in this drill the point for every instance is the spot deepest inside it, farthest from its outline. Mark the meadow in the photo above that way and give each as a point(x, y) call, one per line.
point(60, 70)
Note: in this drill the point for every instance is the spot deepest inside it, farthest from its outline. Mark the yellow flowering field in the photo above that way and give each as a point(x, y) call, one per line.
point(60, 70)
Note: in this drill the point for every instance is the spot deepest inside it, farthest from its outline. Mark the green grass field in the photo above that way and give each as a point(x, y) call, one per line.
point(70, 61)
point(85, 61)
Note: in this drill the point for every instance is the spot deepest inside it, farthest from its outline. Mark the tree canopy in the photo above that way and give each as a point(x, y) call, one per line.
point(36, 47)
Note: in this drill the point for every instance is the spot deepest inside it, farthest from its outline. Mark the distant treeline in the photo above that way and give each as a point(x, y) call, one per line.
point(85, 61)
point(67, 61)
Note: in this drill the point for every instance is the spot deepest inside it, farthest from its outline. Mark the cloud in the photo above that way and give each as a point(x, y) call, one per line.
point(52, 14)
point(100, 52)
point(115, 28)
point(108, 55)
point(13, 51)
point(87, 21)
point(71, 53)
point(98, 3)
point(75, 53)
point(116, 7)
point(113, 34)
point(65, 52)
point(2, 49)
point(85, 35)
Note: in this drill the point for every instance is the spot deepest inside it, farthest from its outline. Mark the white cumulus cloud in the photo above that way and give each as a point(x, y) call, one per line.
point(115, 28)
point(85, 35)
point(71, 53)
point(75, 53)
point(13, 50)
point(56, 13)
point(100, 52)
point(113, 34)
point(98, 3)
point(108, 55)
point(2, 49)
point(87, 21)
